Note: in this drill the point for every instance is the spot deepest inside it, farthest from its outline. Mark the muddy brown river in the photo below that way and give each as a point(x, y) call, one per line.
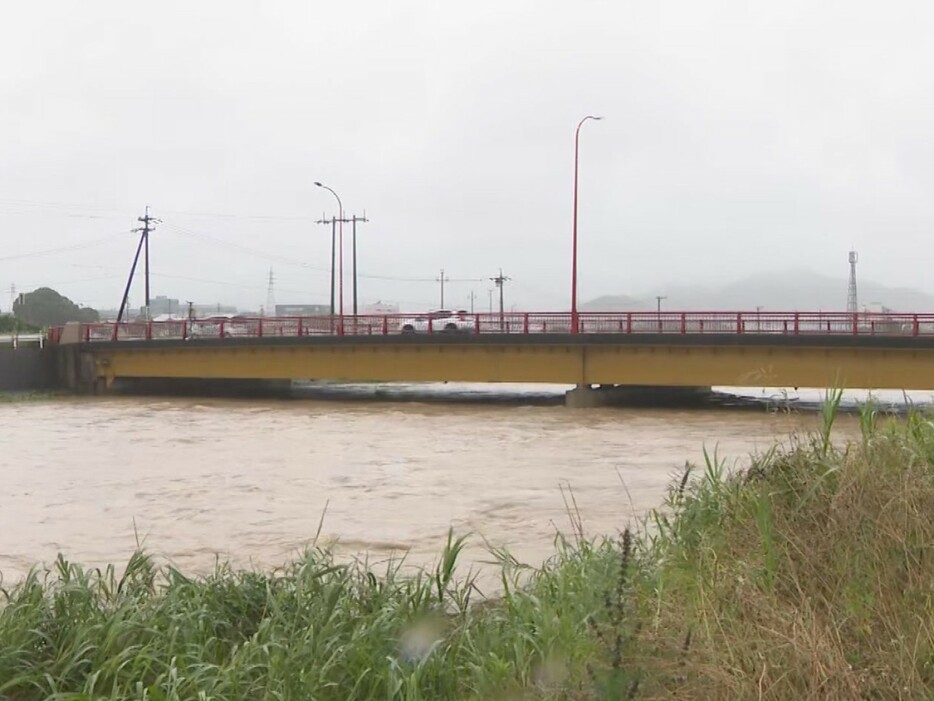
point(251, 480)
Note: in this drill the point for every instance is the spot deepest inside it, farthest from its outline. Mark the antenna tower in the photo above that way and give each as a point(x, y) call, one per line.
point(271, 295)
point(852, 305)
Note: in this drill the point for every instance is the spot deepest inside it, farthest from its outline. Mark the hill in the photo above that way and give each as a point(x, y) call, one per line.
point(777, 291)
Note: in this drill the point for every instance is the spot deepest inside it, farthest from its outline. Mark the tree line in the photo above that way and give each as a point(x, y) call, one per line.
point(42, 308)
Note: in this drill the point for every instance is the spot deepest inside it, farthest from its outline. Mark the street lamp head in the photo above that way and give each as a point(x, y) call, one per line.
point(318, 184)
point(597, 118)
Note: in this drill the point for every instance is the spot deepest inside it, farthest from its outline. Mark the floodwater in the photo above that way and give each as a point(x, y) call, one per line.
point(253, 481)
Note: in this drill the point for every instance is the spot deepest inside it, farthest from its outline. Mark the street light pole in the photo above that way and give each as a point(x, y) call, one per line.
point(574, 320)
point(340, 245)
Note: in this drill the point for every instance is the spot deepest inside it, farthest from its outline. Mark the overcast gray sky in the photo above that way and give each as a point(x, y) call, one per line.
point(738, 137)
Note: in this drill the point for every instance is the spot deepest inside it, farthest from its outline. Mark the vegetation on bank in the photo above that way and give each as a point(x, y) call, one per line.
point(45, 307)
point(9, 324)
point(810, 575)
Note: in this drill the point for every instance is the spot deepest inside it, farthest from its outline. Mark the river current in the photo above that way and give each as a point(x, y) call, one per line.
point(254, 481)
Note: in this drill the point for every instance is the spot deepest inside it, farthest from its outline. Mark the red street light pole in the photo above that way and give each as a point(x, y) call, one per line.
point(340, 239)
point(575, 326)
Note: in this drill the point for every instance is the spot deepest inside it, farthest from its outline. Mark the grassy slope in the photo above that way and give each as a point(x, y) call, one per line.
point(809, 576)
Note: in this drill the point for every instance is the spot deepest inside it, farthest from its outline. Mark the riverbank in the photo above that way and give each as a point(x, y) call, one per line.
point(808, 575)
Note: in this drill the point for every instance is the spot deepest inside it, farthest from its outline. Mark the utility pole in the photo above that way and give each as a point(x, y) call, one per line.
point(191, 310)
point(129, 282)
point(442, 280)
point(658, 309)
point(473, 297)
point(499, 280)
point(333, 221)
point(147, 227)
point(852, 303)
point(356, 219)
point(271, 296)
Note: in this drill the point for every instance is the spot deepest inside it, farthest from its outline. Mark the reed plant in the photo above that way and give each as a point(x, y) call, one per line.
point(809, 574)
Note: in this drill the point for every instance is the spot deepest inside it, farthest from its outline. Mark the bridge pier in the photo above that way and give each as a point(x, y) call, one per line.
point(590, 397)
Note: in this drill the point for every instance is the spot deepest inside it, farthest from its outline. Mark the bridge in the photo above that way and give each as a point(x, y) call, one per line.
point(634, 349)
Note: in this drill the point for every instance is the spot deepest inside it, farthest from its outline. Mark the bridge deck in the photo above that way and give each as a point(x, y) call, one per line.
point(894, 361)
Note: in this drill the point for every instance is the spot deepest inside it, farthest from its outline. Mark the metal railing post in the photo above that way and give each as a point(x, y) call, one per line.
point(221, 329)
point(525, 323)
point(915, 326)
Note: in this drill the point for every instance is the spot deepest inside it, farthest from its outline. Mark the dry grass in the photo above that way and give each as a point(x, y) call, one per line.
point(808, 576)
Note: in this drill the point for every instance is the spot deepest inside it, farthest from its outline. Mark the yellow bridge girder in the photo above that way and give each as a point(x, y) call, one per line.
point(571, 361)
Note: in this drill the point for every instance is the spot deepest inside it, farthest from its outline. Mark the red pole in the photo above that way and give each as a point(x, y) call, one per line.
point(340, 243)
point(574, 323)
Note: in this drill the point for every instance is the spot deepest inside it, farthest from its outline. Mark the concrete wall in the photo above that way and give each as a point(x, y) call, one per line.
point(24, 369)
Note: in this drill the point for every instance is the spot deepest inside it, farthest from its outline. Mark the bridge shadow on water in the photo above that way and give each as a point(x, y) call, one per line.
point(479, 394)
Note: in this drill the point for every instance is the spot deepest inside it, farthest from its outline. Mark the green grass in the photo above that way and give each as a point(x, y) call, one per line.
point(808, 575)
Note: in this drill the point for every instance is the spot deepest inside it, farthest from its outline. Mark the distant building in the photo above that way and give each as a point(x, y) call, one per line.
point(303, 310)
point(164, 305)
point(381, 308)
point(876, 308)
point(206, 310)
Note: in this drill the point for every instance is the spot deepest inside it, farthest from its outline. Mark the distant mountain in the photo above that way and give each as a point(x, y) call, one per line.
point(781, 291)
point(616, 303)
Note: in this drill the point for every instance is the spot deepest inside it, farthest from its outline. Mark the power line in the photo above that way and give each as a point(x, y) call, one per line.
point(196, 235)
point(62, 249)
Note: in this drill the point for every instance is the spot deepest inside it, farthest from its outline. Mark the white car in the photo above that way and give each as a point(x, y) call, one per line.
point(439, 321)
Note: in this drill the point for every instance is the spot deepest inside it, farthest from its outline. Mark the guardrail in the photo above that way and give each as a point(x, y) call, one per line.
point(673, 323)
point(22, 340)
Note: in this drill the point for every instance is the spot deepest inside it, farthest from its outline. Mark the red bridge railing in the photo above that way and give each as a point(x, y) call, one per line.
point(523, 323)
